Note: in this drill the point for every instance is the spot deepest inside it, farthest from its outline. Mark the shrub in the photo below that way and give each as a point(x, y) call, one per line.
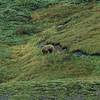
point(43, 3)
point(38, 3)
point(23, 30)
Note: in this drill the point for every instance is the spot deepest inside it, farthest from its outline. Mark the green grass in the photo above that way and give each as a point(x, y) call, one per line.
point(26, 73)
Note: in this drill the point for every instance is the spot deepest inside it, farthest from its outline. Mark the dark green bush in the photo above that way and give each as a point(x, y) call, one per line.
point(43, 3)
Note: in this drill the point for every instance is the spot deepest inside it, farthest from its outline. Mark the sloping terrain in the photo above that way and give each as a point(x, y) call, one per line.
point(70, 72)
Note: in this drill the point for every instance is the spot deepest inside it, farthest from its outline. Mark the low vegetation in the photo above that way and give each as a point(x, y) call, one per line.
point(70, 72)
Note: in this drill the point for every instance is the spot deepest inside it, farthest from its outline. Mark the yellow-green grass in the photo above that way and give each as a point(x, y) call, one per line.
point(81, 32)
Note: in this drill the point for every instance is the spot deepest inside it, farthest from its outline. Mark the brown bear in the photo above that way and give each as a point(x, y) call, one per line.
point(48, 49)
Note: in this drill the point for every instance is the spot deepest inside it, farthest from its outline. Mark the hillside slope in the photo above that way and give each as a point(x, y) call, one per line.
point(27, 74)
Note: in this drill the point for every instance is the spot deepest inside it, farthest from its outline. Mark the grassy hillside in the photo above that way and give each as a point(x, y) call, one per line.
point(70, 72)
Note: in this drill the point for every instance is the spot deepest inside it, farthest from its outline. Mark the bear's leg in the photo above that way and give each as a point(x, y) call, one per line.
point(44, 51)
point(50, 50)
